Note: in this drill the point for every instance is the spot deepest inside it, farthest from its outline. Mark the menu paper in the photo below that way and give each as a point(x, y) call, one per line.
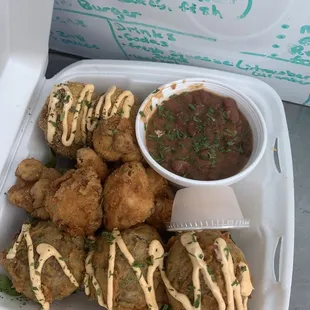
point(265, 39)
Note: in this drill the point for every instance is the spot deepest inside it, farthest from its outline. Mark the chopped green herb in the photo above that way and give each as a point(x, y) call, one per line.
point(211, 110)
point(108, 236)
point(145, 126)
point(200, 256)
point(192, 107)
point(142, 114)
point(6, 286)
point(150, 260)
point(190, 288)
point(53, 123)
point(98, 291)
point(226, 250)
point(229, 132)
point(62, 116)
point(138, 265)
point(120, 112)
point(151, 107)
point(74, 109)
point(34, 288)
point(173, 96)
point(235, 283)
point(197, 119)
point(243, 268)
point(155, 91)
point(65, 259)
point(149, 288)
point(114, 132)
point(197, 301)
point(110, 274)
point(210, 272)
point(165, 307)
point(240, 149)
point(211, 118)
point(230, 143)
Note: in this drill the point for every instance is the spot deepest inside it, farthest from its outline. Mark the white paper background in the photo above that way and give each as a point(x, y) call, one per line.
point(267, 39)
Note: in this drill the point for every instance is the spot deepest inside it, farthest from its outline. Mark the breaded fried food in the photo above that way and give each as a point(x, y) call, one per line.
point(127, 292)
point(114, 138)
point(127, 198)
point(163, 199)
point(86, 157)
point(63, 118)
point(222, 277)
point(34, 253)
point(73, 202)
point(29, 192)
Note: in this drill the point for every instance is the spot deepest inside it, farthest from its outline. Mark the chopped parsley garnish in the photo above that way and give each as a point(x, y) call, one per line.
point(142, 114)
point(192, 107)
point(62, 116)
point(149, 288)
point(235, 283)
point(243, 268)
point(150, 260)
point(53, 123)
point(108, 236)
point(240, 149)
point(197, 301)
point(190, 287)
point(197, 119)
point(200, 256)
point(230, 143)
point(226, 250)
point(137, 264)
point(165, 307)
point(110, 274)
point(173, 96)
point(229, 132)
point(73, 109)
point(98, 291)
point(210, 272)
point(155, 91)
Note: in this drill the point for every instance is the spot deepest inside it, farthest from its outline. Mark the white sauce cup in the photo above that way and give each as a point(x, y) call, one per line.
point(245, 105)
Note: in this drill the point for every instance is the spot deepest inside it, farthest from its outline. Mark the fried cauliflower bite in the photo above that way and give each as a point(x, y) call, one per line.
point(73, 202)
point(87, 157)
point(127, 198)
point(59, 125)
point(29, 192)
point(114, 138)
point(163, 199)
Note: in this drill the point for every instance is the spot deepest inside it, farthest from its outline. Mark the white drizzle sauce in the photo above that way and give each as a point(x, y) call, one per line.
point(196, 255)
point(67, 105)
point(45, 251)
point(109, 109)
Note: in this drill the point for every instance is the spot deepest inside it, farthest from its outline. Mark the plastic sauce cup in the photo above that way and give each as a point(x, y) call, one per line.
point(245, 105)
point(198, 208)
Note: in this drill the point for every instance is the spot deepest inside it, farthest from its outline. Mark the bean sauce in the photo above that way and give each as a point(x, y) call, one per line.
point(200, 135)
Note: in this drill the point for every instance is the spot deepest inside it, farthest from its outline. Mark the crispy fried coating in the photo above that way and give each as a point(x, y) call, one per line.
point(57, 145)
point(29, 169)
point(55, 284)
point(127, 198)
point(114, 139)
point(163, 199)
point(87, 157)
point(127, 292)
point(179, 268)
point(73, 202)
point(29, 192)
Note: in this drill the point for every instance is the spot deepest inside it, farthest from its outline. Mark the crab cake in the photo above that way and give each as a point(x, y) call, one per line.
point(44, 254)
point(209, 269)
point(63, 118)
point(127, 292)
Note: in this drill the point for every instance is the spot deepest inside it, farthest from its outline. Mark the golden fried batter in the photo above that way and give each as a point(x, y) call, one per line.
point(163, 199)
point(73, 202)
point(87, 157)
point(114, 139)
point(29, 169)
point(29, 192)
point(127, 198)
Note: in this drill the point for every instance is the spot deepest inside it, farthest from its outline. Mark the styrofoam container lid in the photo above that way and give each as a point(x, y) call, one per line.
point(197, 208)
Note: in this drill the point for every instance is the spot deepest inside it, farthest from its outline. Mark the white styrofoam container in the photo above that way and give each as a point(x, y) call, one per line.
point(265, 196)
point(267, 39)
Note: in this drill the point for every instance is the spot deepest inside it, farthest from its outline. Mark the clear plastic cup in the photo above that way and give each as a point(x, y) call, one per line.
point(245, 105)
point(197, 208)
